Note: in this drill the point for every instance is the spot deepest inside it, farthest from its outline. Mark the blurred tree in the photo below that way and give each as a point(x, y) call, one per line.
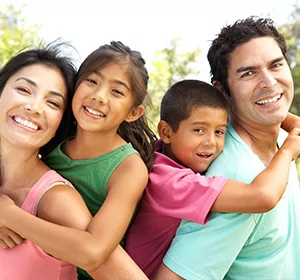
point(15, 34)
point(291, 31)
point(168, 67)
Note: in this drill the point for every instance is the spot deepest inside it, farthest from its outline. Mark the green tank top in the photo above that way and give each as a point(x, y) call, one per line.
point(89, 176)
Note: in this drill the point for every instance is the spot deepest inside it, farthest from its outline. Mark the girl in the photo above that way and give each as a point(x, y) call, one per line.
point(36, 89)
point(106, 158)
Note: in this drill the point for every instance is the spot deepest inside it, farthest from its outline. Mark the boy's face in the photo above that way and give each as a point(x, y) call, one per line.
point(199, 139)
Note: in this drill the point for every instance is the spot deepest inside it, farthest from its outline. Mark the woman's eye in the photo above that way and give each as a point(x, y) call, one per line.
point(54, 104)
point(23, 90)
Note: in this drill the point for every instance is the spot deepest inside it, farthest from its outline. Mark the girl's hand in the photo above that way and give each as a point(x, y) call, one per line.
point(9, 239)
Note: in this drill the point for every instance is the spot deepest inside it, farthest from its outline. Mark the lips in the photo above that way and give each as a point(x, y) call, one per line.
point(26, 123)
point(269, 101)
point(94, 112)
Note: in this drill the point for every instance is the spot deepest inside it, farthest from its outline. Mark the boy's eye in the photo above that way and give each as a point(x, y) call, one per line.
point(199, 130)
point(220, 132)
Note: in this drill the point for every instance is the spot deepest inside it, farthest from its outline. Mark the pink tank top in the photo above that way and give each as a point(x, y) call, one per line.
point(28, 261)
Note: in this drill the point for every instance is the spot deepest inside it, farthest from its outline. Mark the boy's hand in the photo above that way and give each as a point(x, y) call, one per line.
point(292, 143)
point(9, 239)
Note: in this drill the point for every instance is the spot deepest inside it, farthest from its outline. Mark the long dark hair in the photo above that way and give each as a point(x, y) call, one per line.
point(50, 55)
point(137, 132)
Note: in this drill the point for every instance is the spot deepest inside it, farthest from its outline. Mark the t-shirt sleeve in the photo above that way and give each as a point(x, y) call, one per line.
point(185, 195)
point(207, 252)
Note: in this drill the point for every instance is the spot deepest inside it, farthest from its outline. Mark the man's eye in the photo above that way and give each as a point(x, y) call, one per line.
point(247, 74)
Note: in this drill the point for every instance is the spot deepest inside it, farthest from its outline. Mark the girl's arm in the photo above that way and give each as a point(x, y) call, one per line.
point(266, 189)
point(119, 266)
point(87, 249)
point(290, 122)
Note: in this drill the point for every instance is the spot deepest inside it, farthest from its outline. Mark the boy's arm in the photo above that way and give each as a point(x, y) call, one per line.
point(290, 122)
point(266, 189)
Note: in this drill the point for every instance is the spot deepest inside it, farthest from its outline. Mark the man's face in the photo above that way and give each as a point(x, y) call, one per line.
point(260, 83)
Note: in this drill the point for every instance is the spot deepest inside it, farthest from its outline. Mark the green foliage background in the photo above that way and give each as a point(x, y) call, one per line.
point(169, 64)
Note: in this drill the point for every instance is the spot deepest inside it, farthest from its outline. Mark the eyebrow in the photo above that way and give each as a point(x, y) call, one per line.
point(114, 80)
point(249, 68)
point(35, 85)
point(204, 123)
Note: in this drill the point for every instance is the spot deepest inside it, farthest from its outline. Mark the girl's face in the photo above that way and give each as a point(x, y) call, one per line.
point(32, 104)
point(104, 100)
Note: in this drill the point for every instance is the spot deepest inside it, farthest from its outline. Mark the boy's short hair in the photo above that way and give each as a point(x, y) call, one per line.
point(184, 96)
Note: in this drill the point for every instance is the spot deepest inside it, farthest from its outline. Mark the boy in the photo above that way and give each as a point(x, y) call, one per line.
point(194, 117)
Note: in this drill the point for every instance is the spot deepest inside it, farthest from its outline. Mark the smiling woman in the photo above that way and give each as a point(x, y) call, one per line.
point(36, 89)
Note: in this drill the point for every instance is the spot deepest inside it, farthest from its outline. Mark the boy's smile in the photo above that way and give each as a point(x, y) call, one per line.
point(199, 139)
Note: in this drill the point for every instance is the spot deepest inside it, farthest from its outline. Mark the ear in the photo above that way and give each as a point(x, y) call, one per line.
point(135, 113)
point(164, 132)
point(218, 85)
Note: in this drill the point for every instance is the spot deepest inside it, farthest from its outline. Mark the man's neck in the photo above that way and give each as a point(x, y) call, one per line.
point(261, 139)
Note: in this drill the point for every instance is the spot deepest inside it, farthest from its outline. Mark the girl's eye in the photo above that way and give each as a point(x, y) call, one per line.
point(92, 81)
point(117, 92)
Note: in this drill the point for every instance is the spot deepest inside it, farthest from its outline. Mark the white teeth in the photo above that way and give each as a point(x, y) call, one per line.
point(204, 155)
point(93, 112)
point(26, 123)
point(268, 101)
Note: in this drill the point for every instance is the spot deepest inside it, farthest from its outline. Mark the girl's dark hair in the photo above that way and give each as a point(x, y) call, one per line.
point(183, 97)
point(137, 132)
point(231, 36)
point(51, 56)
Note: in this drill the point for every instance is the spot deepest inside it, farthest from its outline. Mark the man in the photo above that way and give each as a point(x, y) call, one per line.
point(249, 64)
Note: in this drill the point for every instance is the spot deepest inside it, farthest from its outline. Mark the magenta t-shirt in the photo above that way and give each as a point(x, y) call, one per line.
point(174, 192)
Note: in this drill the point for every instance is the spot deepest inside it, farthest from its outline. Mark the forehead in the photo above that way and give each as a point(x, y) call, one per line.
point(44, 76)
point(256, 52)
point(208, 114)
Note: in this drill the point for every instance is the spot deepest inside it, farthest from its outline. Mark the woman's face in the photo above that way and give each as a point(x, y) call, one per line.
point(32, 104)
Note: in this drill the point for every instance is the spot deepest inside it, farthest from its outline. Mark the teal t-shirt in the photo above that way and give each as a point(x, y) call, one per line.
point(89, 176)
point(241, 246)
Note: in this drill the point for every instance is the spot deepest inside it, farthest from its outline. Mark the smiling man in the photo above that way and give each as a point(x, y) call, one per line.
point(249, 64)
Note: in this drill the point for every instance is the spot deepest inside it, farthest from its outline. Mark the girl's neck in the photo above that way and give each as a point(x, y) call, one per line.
point(87, 145)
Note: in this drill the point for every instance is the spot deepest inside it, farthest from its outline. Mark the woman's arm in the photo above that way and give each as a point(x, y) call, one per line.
point(88, 248)
point(266, 189)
